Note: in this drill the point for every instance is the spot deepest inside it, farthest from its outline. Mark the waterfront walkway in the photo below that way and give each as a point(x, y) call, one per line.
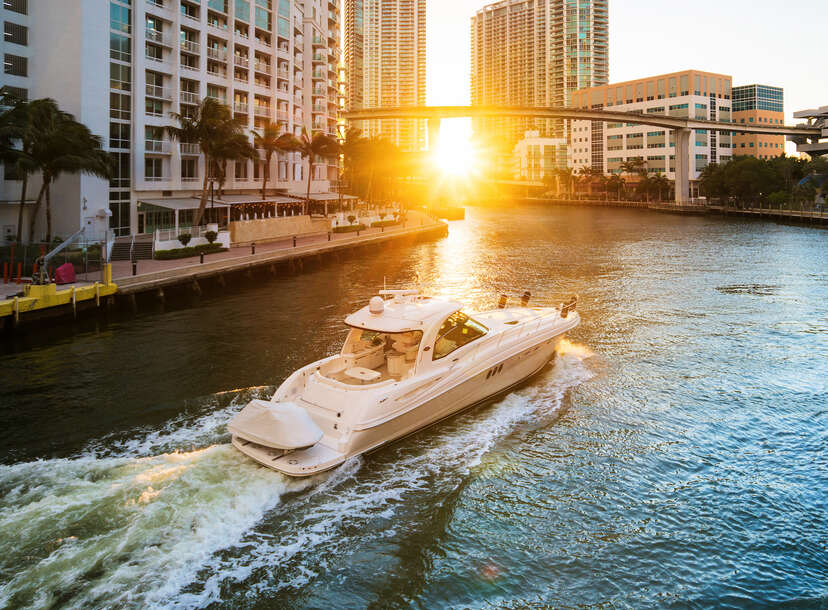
point(153, 274)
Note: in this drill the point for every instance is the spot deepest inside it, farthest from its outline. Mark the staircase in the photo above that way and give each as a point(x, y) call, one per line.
point(137, 248)
point(121, 249)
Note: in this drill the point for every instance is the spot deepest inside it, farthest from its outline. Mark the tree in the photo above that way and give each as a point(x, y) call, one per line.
point(616, 183)
point(320, 145)
point(210, 126)
point(271, 140)
point(235, 147)
point(659, 184)
point(16, 131)
point(61, 145)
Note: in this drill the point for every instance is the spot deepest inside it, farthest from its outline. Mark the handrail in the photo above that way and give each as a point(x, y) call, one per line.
point(43, 261)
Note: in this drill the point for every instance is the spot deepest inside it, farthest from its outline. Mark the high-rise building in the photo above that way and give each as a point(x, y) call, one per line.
point(535, 53)
point(123, 66)
point(385, 60)
point(688, 94)
point(763, 105)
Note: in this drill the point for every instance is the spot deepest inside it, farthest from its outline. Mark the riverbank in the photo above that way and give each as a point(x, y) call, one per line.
point(806, 217)
point(164, 278)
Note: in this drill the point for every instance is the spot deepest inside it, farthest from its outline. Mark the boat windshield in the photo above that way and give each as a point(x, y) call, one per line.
point(458, 330)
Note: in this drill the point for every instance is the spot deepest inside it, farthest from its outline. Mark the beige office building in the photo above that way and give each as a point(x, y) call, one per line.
point(535, 53)
point(385, 60)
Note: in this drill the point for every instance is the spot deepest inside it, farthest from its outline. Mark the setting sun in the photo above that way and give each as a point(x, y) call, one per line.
point(455, 154)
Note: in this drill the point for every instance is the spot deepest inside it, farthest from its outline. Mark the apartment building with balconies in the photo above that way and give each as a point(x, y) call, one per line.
point(385, 60)
point(126, 67)
point(535, 53)
point(691, 93)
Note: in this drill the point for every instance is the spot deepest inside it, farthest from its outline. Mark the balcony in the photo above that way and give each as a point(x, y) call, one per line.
point(282, 115)
point(217, 54)
point(217, 72)
point(190, 179)
point(263, 67)
point(190, 98)
point(241, 60)
point(220, 100)
point(157, 146)
point(263, 111)
point(190, 46)
point(241, 108)
point(158, 37)
point(190, 149)
point(159, 93)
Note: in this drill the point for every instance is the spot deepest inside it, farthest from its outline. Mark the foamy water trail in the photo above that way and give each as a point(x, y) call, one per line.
point(298, 551)
point(170, 517)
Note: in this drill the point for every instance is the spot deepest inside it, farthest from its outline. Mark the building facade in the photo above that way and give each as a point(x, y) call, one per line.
point(385, 60)
point(759, 104)
point(535, 53)
point(123, 67)
point(537, 157)
point(692, 93)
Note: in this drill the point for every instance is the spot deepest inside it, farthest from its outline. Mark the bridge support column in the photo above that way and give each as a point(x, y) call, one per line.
point(434, 133)
point(683, 165)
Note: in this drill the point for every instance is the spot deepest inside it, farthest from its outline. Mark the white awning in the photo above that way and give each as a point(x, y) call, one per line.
point(184, 203)
point(323, 196)
point(245, 199)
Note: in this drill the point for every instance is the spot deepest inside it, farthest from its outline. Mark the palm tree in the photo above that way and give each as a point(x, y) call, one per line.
point(236, 148)
point(320, 145)
point(616, 183)
point(61, 145)
point(210, 126)
point(271, 140)
point(16, 144)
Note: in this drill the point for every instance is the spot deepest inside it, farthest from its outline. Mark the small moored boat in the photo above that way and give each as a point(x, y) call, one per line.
point(408, 362)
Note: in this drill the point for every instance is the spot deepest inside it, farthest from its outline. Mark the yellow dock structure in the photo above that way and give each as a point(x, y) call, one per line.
point(49, 296)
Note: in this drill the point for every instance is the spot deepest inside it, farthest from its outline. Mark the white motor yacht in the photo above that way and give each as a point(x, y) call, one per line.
point(409, 361)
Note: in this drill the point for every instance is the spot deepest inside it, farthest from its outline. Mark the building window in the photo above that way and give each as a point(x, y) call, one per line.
point(120, 77)
point(18, 92)
point(241, 170)
point(16, 6)
point(120, 106)
point(18, 34)
point(119, 47)
point(15, 65)
point(154, 107)
point(153, 169)
point(119, 18)
point(121, 173)
point(189, 169)
point(119, 135)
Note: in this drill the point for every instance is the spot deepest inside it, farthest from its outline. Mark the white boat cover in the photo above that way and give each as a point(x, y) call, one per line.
point(282, 425)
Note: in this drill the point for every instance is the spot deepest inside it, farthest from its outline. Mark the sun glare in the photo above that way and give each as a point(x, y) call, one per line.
point(455, 154)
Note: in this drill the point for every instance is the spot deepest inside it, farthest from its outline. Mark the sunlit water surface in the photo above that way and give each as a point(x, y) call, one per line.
point(675, 454)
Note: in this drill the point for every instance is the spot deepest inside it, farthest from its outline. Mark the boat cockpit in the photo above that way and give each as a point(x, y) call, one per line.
point(370, 357)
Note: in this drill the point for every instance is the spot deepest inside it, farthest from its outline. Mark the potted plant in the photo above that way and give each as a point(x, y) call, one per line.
point(211, 236)
point(185, 238)
point(352, 219)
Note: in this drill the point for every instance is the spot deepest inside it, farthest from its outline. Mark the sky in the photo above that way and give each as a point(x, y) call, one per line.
point(770, 42)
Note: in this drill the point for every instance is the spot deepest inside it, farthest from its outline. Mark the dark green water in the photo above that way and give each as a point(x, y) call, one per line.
point(674, 456)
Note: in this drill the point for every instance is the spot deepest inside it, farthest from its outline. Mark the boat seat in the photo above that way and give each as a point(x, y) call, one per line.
point(362, 374)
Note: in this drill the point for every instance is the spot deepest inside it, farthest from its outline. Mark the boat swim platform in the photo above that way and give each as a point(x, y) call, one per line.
point(191, 273)
point(53, 299)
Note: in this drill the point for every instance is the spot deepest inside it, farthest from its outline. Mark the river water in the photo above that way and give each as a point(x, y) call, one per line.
point(674, 455)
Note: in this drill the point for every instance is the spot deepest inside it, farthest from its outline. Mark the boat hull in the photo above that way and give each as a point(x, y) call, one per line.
point(458, 395)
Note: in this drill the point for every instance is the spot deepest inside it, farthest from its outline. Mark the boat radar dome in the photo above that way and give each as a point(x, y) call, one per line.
point(376, 306)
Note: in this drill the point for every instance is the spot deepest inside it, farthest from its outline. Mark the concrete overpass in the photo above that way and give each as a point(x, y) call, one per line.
point(683, 127)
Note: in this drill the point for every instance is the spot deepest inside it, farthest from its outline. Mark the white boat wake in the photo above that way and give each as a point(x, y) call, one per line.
point(126, 525)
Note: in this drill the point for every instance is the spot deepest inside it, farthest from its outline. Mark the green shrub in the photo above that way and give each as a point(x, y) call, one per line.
point(384, 223)
point(165, 255)
point(351, 219)
point(185, 238)
point(211, 236)
point(349, 229)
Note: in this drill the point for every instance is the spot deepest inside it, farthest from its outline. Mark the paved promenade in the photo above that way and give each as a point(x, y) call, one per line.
point(156, 273)
point(123, 269)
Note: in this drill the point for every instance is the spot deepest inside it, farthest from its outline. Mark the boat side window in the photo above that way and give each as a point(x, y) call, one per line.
point(458, 330)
